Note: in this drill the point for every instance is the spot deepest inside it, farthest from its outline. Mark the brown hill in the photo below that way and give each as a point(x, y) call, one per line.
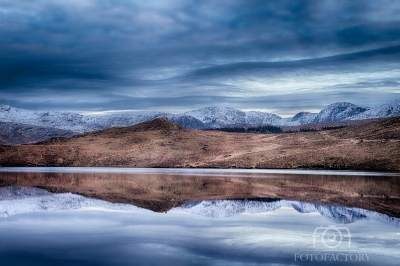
point(159, 143)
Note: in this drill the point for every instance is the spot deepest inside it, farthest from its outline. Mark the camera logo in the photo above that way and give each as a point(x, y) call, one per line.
point(331, 236)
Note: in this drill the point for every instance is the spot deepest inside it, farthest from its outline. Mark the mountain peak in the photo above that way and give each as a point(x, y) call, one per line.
point(4, 107)
point(339, 111)
point(390, 109)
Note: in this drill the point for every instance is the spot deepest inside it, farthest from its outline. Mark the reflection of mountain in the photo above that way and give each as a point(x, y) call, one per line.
point(337, 214)
point(17, 200)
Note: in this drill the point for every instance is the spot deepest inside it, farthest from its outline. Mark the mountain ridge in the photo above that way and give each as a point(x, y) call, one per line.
point(204, 118)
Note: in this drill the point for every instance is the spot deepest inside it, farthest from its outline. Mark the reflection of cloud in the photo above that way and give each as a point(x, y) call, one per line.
point(98, 238)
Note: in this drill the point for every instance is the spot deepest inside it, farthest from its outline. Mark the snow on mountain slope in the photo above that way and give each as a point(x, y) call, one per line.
point(338, 112)
point(126, 118)
point(61, 120)
point(75, 122)
point(389, 109)
point(218, 116)
point(259, 118)
point(337, 214)
point(301, 119)
point(17, 200)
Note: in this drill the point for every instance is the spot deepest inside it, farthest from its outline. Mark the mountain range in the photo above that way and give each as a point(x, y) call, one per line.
point(16, 120)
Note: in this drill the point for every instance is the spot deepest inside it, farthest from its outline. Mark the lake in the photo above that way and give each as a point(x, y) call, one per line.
point(125, 216)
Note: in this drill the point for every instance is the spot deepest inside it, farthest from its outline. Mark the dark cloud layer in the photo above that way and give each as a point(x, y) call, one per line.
point(179, 54)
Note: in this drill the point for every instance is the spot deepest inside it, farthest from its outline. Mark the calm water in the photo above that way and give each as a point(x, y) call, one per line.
point(41, 228)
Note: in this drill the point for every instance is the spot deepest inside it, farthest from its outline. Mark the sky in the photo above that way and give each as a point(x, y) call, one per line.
point(179, 55)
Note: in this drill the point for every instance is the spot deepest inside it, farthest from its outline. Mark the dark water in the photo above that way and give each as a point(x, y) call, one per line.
point(40, 228)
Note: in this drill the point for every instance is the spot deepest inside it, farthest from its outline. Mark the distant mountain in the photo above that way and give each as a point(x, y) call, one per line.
point(214, 117)
point(259, 118)
point(390, 109)
point(336, 214)
point(302, 118)
point(186, 121)
point(208, 117)
point(339, 112)
point(12, 133)
point(72, 121)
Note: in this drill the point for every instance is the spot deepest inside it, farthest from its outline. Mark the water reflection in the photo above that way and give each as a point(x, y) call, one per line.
point(335, 214)
point(169, 188)
point(239, 217)
point(69, 229)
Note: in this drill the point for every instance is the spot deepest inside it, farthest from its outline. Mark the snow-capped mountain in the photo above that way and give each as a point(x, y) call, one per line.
point(61, 120)
point(301, 119)
point(337, 214)
point(125, 119)
point(259, 118)
point(17, 200)
point(209, 117)
point(215, 117)
point(72, 121)
point(390, 109)
point(339, 112)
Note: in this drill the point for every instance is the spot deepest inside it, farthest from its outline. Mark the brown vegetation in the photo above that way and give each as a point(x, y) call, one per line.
point(158, 143)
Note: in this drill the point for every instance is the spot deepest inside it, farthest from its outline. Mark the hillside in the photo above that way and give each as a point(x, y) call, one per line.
point(159, 143)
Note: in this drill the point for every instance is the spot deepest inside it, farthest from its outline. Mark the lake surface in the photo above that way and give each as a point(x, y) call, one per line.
point(200, 226)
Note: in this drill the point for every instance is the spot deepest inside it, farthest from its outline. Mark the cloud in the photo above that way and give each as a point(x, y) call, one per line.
point(135, 51)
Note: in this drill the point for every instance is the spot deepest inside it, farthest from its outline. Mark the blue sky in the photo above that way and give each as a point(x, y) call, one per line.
point(177, 55)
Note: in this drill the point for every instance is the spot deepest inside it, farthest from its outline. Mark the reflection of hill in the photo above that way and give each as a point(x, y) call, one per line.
point(336, 214)
point(163, 189)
